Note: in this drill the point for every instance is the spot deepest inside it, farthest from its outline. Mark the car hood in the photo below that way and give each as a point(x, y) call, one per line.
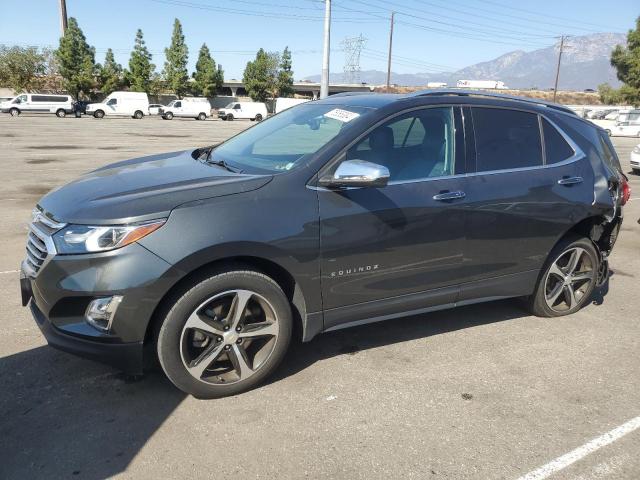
point(144, 188)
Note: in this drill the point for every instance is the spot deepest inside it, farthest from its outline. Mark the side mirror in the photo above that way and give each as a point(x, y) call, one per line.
point(357, 173)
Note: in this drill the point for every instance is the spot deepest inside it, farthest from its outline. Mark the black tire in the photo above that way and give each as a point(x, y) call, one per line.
point(14, 112)
point(61, 113)
point(636, 171)
point(229, 117)
point(98, 114)
point(258, 118)
point(138, 114)
point(538, 304)
point(170, 335)
point(202, 116)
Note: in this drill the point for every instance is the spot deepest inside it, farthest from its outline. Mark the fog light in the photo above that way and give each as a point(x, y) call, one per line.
point(101, 311)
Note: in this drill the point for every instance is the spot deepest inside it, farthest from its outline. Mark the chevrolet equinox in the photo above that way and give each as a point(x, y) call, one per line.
point(334, 213)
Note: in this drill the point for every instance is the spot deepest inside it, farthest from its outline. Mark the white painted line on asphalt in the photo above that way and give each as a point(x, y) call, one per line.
point(581, 452)
point(10, 271)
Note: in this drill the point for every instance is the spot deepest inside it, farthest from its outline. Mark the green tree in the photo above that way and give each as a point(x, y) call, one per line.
point(20, 67)
point(261, 76)
point(626, 61)
point(609, 95)
point(140, 67)
point(175, 72)
point(285, 75)
point(76, 60)
point(208, 77)
point(110, 74)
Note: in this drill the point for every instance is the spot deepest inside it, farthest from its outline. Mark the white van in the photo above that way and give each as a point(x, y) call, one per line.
point(190, 107)
point(39, 103)
point(284, 103)
point(252, 110)
point(128, 104)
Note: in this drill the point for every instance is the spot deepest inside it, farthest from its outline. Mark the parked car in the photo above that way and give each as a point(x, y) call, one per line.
point(60, 105)
point(128, 104)
point(338, 212)
point(627, 125)
point(154, 108)
point(194, 107)
point(254, 111)
point(635, 159)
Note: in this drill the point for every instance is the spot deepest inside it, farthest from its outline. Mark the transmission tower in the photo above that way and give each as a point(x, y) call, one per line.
point(352, 47)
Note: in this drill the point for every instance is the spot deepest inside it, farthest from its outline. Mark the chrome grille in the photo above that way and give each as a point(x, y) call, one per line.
point(40, 245)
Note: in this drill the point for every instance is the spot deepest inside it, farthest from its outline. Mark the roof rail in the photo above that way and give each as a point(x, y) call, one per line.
point(481, 93)
point(348, 94)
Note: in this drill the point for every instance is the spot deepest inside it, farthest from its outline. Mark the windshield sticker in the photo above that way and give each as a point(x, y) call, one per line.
point(341, 115)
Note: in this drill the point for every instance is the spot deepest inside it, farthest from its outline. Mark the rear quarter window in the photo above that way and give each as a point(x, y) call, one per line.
point(506, 139)
point(556, 148)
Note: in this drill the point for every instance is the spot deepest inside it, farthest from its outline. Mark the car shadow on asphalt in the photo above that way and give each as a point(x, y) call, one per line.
point(66, 417)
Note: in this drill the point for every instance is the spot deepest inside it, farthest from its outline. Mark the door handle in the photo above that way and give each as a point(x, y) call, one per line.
point(444, 196)
point(569, 180)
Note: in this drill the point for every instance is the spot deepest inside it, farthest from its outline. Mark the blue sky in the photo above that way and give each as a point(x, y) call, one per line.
point(430, 35)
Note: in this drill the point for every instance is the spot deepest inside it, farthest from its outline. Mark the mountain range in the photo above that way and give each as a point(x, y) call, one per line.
point(585, 64)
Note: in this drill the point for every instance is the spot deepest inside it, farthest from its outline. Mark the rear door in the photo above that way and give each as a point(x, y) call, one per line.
point(398, 248)
point(530, 185)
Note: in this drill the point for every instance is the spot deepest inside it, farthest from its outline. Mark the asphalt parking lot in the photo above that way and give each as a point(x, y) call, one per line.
point(483, 392)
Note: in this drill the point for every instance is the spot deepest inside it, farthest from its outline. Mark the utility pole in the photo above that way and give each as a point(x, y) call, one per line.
point(390, 47)
point(555, 89)
point(63, 16)
point(324, 82)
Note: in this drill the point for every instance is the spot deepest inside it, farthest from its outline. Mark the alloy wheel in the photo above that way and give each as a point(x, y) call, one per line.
point(569, 279)
point(229, 337)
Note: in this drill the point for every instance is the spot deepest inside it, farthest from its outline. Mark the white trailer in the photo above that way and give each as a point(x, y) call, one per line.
point(436, 84)
point(493, 84)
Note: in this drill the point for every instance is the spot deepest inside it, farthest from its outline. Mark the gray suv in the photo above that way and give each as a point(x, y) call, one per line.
point(339, 212)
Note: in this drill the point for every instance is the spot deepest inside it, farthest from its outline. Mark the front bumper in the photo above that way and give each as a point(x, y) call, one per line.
point(65, 285)
point(635, 161)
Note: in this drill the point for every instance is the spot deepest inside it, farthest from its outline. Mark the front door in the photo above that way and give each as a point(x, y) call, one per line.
point(397, 248)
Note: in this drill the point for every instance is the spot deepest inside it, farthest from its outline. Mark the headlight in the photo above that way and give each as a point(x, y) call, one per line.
point(75, 239)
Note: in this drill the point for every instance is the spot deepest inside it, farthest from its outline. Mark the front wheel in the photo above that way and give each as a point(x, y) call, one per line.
point(225, 335)
point(229, 117)
point(168, 116)
point(98, 114)
point(568, 279)
point(14, 112)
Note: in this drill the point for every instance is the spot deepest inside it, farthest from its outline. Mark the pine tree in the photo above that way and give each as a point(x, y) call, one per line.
point(76, 60)
point(261, 76)
point(110, 74)
point(140, 67)
point(208, 78)
point(285, 75)
point(175, 68)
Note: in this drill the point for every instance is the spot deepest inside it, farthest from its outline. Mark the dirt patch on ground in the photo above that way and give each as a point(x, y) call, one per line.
point(41, 161)
point(35, 190)
point(53, 147)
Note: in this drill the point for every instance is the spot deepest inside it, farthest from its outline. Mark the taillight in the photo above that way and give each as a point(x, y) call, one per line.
point(626, 191)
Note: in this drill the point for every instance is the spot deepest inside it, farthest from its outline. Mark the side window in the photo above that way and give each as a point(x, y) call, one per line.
point(414, 146)
point(38, 98)
point(112, 101)
point(177, 104)
point(236, 106)
point(506, 139)
point(556, 148)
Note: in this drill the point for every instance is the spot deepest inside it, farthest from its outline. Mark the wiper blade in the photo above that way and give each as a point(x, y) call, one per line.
point(221, 163)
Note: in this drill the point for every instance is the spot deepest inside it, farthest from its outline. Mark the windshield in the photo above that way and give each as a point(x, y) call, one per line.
point(171, 103)
point(283, 141)
point(230, 105)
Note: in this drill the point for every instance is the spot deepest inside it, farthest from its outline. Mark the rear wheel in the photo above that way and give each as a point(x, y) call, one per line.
point(226, 334)
point(202, 116)
point(568, 280)
point(258, 118)
point(138, 115)
point(61, 113)
point(14, 112)
point(98, 114)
